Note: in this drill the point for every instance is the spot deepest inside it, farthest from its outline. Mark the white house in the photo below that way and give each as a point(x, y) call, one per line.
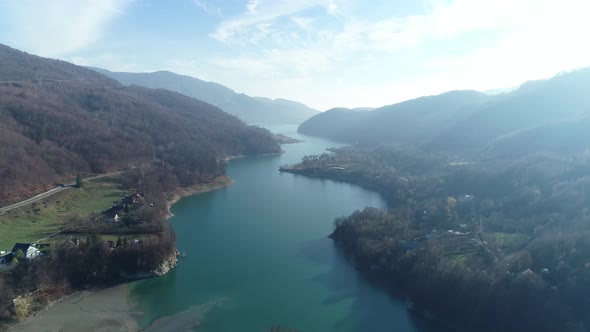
point(28, 249)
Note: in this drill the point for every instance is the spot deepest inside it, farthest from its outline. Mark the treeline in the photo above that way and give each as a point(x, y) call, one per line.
point(70, 266)
point(486, 244)
point(484, 298)
point(50, 130)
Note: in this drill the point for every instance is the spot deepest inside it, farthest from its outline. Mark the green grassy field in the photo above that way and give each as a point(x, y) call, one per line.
point(457, 259)
point(38, 220)
point(506, 242)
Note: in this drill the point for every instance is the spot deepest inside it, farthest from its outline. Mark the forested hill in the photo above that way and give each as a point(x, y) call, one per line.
point(58, 119)
point(409, 122)
point(541, 116)
point(256, 110)
point(17, 66)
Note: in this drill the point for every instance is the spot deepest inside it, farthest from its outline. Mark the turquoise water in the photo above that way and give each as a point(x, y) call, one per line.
point(257, 255)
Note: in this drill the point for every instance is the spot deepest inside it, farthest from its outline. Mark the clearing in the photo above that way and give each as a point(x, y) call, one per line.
point(41, 219)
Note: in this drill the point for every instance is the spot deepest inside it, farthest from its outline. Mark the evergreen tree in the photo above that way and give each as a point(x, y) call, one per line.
point(78, 181)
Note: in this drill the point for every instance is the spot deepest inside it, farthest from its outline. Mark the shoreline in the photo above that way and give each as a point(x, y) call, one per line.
point(217, 183)
point(107, 309)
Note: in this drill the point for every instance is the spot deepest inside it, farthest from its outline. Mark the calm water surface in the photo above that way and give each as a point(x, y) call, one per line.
point(257, 255)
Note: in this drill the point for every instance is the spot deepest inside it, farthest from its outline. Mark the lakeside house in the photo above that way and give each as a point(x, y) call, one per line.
point(121, 208)
point(29, 250)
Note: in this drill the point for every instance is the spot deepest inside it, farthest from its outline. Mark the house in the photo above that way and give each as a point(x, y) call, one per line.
point(28, 249)
point(133, 198)
point(6, 257)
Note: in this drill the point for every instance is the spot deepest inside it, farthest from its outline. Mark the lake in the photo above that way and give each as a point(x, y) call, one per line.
point(257, 255)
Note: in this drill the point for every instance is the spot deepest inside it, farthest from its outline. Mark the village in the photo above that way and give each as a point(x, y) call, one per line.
point(123, 212)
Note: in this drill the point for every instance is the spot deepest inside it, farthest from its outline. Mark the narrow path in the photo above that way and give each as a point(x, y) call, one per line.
point(53, 192)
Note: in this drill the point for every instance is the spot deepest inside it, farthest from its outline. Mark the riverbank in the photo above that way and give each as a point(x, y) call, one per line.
point(460, 242)
point(267, 231)
point(284, 139)
point(215, 184)
point(106, 309)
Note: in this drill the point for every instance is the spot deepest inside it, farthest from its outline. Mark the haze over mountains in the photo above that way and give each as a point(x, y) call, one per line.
point(409, 122)
point(541, 116)
point(58, 119)
point(254, 110)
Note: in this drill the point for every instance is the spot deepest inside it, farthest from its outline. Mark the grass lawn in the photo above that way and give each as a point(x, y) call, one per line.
point(457, 259)
point(38, 220)
point(507, 242)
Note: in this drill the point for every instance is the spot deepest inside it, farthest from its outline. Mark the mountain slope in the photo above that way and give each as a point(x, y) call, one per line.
point(17, 66)
point(409, 122)
point(250, 109)
point(541, 116)
point(81, 121)
point(535, 105)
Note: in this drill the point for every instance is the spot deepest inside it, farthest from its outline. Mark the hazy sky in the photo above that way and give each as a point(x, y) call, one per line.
point(325, 53)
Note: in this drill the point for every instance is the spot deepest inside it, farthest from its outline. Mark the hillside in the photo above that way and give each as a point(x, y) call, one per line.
point(541, 116)
point(536, 109)
point(496, 244)
point(58, 119)
point(409, 122)
point(256, 110)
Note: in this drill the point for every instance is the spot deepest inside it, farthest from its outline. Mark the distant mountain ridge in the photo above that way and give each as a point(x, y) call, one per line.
point(407, 122)
point(255, 110)
point(531, 113)
point(540, 116)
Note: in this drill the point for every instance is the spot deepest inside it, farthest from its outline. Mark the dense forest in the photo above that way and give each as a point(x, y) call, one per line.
point(541, 116)
point(487, 227)
point(256, 110)
point(487, 244)
point(58, 119)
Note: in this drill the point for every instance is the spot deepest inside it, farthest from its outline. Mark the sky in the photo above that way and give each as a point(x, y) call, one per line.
point(325, 53)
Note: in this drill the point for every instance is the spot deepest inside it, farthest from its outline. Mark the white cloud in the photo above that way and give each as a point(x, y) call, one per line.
point(209, 9)
point(57, 27)
point(453, 44)
point(251, 6)
point(303, 22)
point(238, 29)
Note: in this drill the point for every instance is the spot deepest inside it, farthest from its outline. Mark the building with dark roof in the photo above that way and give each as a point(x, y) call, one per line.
point(6, 258)
point(29, 250)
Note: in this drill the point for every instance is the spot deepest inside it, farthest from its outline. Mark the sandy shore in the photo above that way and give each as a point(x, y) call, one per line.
point(217, 183)
point(104, 310)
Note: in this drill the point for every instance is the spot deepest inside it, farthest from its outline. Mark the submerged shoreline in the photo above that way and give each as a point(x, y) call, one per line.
point(108, 309)
point(102, 310)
